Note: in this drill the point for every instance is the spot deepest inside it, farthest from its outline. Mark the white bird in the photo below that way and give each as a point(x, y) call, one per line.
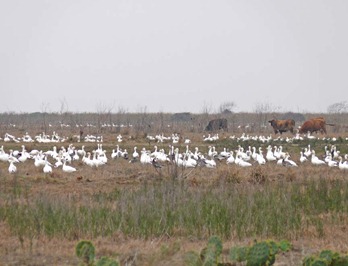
point(145, 158)
point(209, 163)
point(58, 162)
point(269, 155)
point(315, 160)
point(81, 151)
point(76, 157)
point(342, 165)
point(259, 157)
point(303, 158)
point(288, 162)
point(68, 168)
point(307, 151)
point(230, 159)
point(189, 162)
point(135, 153)
point(39, 161)
point(3, 155)
point(239, 161)
point(48, 167)
point(12, 168)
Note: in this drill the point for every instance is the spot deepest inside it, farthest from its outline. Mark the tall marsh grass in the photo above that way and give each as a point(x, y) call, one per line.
point(172, 208)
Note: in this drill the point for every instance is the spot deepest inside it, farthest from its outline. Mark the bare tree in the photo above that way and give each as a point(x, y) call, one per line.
point(44, 109)
point(104, 113)
point(227, 107)
point(338, 108)
point(207, 108)
point(64, 107)
point(262, 111)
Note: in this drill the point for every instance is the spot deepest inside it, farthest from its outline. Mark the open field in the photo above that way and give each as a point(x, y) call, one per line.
point(141, 215)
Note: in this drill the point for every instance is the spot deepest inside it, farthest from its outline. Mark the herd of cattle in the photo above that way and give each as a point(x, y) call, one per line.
point(317, 124)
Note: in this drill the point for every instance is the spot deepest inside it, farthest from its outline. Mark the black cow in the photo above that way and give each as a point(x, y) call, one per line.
point(217, 124)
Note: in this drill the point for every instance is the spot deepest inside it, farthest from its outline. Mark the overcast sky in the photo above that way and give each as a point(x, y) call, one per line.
point(172, 56)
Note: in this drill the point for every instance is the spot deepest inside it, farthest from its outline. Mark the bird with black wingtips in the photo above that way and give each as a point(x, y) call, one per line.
point(155, 163)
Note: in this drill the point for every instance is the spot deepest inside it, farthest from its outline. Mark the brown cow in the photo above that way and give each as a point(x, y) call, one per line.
point(282, 125)
point(314, 125)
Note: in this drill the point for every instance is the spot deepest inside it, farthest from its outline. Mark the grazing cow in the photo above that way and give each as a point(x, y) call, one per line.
point(217, 124)
point(314, 125)
point(282, 125)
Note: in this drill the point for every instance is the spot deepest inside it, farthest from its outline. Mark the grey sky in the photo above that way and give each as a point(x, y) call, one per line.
point(172, 56)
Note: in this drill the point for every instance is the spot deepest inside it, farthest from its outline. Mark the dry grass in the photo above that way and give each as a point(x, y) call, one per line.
point(119, 174)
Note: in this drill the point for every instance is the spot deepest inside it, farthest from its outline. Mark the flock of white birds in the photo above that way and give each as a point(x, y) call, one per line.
point(65, 157)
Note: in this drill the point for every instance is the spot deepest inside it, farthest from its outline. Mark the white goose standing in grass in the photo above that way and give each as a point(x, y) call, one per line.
point(81, 151)
point(58, 162)
point(303, 158)
point(145, 158)
point(342, 165)
point(189, 162)
point(209, 163)
point(12, 168)
point(102, 157)
point(269, 155)
point(135, 153)
point(39, 161)
point(315, 160)
point(239, 161)
point(68, 168)
point(259, 157)
point(288, 162)
point(48, 167)
point(230, 159)
point(308, 151)
point(332, 163)
point(3, 155)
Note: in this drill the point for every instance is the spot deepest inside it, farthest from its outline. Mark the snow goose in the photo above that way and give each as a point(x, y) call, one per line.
point(39, 161)
point(303, 158)
point(209, 163)
point(269, 155)
point(342, 165)
point(95, 160)
point(287, 162)
point(239, 161)
point(76, 157)
point(135, 153)
point(81, 151)
point(315, 160)
point(259, 157)
point(114, 154)
point(308, 151)
point(48, 167)
point(58, 161)
point(12, 168)
point(230, 159)
point(145, 157)
point(68, 168)
point(332, 163)
point(189, 162)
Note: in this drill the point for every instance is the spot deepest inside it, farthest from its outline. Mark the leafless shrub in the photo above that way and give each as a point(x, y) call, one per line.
point(230, 175)
point(258, 175)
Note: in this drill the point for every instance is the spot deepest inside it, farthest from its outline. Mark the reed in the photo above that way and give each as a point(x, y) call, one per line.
point(172, 208)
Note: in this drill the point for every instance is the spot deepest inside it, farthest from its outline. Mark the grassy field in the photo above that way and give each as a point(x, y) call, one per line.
point(146, 216)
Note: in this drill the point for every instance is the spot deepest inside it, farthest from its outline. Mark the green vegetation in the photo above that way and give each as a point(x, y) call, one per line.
point(326, 258)
point(260, 254)
point(284, 210)
point(85, 251)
